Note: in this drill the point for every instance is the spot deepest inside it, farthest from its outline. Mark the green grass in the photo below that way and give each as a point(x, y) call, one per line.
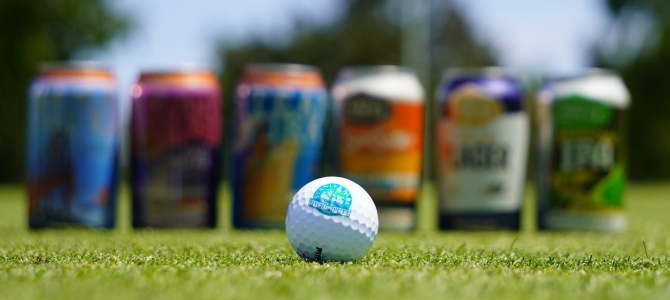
point(225, 263)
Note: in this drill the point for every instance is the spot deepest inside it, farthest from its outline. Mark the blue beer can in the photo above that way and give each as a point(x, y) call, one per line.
point(279, 119)
point(72, 146)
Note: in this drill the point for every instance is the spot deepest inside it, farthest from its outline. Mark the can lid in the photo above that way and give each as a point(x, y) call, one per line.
point(282, 73)
point(279, 67)
point(195, 77)
point(491, 71)
point(176, 73)
point(554, 78)
point(376, 69)
point(74, 68)
point(392, 82)
point(598, 84)
point(601, 71)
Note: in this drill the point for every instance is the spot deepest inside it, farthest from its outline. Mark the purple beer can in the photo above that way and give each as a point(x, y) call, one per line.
point(175, 142)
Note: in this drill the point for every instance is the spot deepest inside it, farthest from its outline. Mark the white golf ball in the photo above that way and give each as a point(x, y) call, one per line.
point(331, 218)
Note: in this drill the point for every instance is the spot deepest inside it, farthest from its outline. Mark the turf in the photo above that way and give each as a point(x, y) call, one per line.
point(226, 263)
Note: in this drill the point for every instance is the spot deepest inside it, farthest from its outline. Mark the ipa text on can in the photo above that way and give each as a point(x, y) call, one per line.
point(581, 175)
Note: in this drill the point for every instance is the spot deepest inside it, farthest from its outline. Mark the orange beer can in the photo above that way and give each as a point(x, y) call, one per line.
point(379, 115)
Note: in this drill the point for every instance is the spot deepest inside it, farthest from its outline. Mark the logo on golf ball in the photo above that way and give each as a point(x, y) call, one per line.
point(332, 200)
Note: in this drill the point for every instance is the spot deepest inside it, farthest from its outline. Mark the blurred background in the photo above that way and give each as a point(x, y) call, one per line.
point(532, 38)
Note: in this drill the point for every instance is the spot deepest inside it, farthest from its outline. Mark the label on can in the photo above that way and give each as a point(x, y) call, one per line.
point(381, 142)
point(176, 140)
point(588, 174)
point(72, 151)
point(482, 153)
point(278, 137)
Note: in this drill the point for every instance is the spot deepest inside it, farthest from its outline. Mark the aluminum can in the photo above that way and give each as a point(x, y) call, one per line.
point(581, 175)
point(72, 146)
point(175, 143)
point(379, 125)
point(482, 136)
point(279, 117)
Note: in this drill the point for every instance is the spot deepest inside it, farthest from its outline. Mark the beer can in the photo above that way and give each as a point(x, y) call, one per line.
point(581, 174)
point(482, 135)
point(72, 146)
point(175, 141)
point(379, 116)
point(279, 117)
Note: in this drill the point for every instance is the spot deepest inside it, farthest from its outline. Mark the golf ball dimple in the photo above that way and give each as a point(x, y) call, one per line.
point(331, 218)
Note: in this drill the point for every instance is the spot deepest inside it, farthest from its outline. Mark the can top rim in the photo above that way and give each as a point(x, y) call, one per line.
point(600, 71)
point(172, 72)
point(377, 69)
point(590, 72)
point(181, 77)
point(490, 71)
point(279, 67)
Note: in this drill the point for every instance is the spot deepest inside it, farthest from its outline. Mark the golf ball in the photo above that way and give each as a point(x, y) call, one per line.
point(331, 218)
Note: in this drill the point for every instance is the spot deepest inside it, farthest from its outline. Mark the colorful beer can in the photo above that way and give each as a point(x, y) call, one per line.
point(279, 117)
point(581, 168)
point(482, 136)
point(73, 146)
point(379, 116)
point(175, 143)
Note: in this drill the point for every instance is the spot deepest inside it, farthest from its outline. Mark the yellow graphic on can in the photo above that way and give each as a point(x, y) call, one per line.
point(268, 178)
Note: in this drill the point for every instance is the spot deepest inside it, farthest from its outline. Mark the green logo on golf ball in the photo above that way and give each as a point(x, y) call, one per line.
point(332, 200)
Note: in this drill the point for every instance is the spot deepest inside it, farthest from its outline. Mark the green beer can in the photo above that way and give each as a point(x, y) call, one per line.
point(582, 152)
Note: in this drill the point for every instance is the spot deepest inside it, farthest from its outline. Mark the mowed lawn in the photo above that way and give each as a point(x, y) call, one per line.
point(227, 263)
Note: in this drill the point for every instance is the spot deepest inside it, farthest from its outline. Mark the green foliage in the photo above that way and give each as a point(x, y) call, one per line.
point(659, 8)
point(34, 31)
point(368, 33)
point(648, 79)
point(363, 36)
point(453, 43)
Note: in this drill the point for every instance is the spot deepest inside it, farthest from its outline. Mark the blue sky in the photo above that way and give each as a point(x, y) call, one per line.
point(542, 36)
point(549, 36)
